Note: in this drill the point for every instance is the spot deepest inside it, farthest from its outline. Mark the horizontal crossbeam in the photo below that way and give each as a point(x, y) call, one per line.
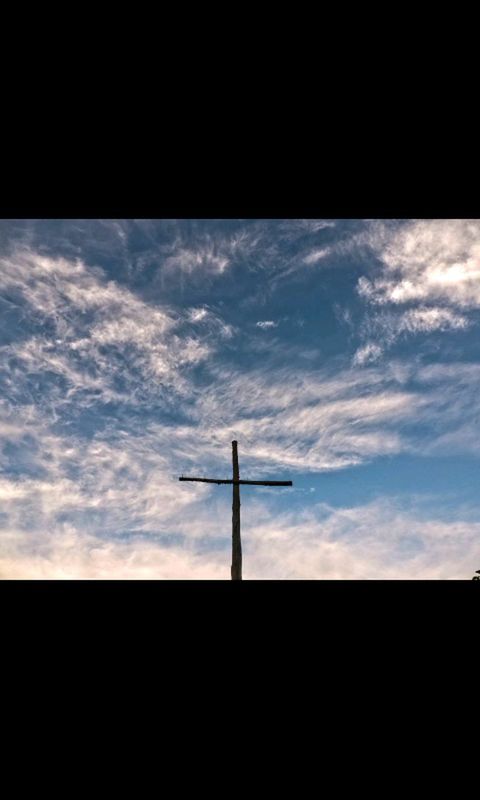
point(237, 483)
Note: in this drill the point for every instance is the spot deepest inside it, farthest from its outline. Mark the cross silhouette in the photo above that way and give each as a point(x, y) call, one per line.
point(236, 568)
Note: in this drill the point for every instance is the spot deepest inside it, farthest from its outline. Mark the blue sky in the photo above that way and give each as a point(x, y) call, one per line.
point(341, 354)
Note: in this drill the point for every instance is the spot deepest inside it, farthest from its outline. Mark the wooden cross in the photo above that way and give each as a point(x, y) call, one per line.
point(236, 568)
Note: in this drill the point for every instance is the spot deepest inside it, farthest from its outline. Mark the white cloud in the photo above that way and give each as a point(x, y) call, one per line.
point(295, 419)
point(309, 420)
point(210, 321)
point(197, 314)
point(308, 226)
point(73, 554)
point(204, 259)
point(379, 540)
point(103, 337)
point(316, 255)
point(430, 266)
point(427, 261)
point(367, 354)
point(126, 514)
point(384, 328)
point(431, 319)
point(127, 480)
point(109, 506)
point(268, 323)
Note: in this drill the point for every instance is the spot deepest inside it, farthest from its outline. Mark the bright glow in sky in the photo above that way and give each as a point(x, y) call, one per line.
point(341, 354)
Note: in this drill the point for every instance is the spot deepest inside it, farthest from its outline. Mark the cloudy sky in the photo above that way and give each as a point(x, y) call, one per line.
point(341, 354)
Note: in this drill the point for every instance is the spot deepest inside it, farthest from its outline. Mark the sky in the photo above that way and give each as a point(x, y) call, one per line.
point(341, 354)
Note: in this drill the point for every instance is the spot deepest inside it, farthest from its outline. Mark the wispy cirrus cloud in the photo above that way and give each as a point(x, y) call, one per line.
point(72, 553)
point(427, 260)
point(426, 320)
point(306, 420)
point(367, 354)
point(89, 504)
point(378, 540)
point(426, 279)
point(204, 259)
point(113, 387)
point(316, 255)
point(383, 329)
point(210, 322)
point(98, 337)
point(307, 226)
point(111, 507)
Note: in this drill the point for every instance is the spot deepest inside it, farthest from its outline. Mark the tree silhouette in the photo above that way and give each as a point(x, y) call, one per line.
point(476, 577)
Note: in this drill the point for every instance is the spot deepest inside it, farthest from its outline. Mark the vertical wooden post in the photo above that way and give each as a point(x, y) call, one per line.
point(236, 569)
